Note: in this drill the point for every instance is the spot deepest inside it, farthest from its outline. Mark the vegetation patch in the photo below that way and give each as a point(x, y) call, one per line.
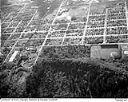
point(63, 78)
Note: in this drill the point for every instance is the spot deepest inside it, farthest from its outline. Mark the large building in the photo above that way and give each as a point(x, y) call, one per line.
point(107, 51)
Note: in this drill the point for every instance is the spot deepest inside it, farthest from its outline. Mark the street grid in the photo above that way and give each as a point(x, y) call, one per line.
point(21, 27)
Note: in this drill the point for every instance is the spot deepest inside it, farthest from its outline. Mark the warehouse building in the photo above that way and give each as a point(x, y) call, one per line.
point(107, 51)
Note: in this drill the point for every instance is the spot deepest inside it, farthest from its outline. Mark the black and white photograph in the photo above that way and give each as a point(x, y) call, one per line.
point(64, 49)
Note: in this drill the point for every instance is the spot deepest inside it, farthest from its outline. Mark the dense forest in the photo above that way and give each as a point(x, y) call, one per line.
point(64, 78)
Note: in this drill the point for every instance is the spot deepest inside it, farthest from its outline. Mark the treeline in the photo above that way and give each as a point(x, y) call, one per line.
point(64, 78)
point(62, 52)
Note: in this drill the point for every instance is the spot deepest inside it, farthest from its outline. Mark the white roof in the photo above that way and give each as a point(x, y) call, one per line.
point(13, 56)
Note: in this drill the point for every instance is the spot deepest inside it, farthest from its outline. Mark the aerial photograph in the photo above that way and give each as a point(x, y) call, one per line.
point(64, 49)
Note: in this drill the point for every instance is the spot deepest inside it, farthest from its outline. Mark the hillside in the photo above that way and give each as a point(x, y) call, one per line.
point(64, 78)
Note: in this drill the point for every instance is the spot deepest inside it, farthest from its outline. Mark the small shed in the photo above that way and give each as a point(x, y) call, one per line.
point(13, 56)
point(105, 51)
